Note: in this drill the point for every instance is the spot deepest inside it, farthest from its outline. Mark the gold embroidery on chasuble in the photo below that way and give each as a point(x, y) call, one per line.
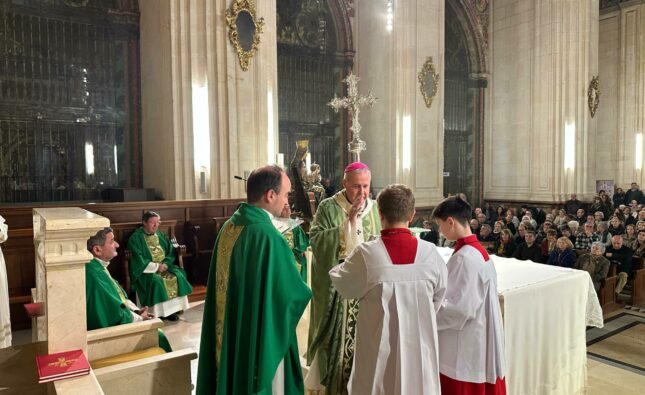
point(224, 249)
point(158, 255)
point(152, 241)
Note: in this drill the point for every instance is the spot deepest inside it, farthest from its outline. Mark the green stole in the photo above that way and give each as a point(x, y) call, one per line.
point(254, 300)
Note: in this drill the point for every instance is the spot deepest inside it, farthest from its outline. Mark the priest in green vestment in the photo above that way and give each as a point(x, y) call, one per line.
point(296, 238)
point(157, 280)
point(254, 301)
point(341, 223)
point(106, 302)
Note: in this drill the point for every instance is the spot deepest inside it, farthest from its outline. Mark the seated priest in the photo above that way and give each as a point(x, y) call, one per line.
point(107, 303)
point(158, 282)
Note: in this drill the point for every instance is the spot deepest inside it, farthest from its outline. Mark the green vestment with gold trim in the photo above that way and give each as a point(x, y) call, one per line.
point(254, 301)
point(105, 301)
point(152, 287)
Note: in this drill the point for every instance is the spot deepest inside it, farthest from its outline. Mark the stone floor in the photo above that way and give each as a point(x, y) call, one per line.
point(604, 377)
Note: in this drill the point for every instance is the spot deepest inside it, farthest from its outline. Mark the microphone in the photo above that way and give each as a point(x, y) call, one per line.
point(239, 178)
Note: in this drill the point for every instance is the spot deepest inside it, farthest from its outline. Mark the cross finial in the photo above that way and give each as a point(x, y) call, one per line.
point(353, 102)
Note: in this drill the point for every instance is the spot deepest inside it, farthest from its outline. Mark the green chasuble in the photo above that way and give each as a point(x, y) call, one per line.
point(151, 287)
point(298, 242)
point(254, 301)
point(105, 301)
point(333, 320)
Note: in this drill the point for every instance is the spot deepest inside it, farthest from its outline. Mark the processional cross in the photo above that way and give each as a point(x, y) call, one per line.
point(353, 102)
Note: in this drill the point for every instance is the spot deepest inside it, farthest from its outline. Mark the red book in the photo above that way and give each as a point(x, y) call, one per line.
point(61, 365)
point(34, 309)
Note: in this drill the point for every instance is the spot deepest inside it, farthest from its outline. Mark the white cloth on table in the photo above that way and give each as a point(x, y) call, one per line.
point(5, 321)
point(396, 349)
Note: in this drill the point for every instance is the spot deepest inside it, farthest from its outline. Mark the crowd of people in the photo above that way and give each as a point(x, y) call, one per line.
point(580, 236)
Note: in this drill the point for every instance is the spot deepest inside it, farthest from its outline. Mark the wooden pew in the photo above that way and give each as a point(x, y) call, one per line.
point(638, 282)
point(200, 236)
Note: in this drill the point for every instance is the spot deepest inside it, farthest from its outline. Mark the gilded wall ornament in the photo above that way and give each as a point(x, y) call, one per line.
point(593, 96)
point(428, 81)
point(244, 29)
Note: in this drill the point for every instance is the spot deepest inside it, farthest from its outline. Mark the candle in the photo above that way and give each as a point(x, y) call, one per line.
point(308, 162)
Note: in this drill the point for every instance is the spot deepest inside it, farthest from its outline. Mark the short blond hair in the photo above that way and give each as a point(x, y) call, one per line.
point(566, 241)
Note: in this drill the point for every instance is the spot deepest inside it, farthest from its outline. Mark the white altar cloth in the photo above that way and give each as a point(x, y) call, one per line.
point(546, 311)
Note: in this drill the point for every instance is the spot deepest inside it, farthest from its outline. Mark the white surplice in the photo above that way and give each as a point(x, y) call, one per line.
point(396, 340)
point(471, 338)
point(5, 322)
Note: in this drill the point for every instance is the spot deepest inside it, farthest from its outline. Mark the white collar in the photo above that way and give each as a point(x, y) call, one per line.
point(271, 216)
point(103, 263)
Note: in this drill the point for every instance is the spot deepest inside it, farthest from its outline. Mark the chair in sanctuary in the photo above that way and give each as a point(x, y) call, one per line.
point(124, 359)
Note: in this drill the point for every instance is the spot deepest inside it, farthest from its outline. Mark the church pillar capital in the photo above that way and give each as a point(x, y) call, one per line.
point(60, 240)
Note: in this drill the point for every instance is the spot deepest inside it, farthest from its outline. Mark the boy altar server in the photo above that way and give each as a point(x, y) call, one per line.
point(471, 337)
point(400, 282)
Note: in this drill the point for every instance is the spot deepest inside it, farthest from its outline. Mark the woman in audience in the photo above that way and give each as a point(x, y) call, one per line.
point(561, 218)
point(603, 233)
point(548, 244)
point(640, 225)
point(497, 229)
point(630, 236)
point(594, 263)
point(505, 246)
point(607, 206)
point(574, 226)
point(616, 227)
point(563, 254)
point(638, 246)
point(528, 218)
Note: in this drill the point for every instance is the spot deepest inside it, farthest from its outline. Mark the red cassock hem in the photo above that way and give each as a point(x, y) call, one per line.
point(451, 386)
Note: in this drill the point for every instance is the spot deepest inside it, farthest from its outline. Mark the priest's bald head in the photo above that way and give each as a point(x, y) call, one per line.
point(268, 188)
point(356, 181)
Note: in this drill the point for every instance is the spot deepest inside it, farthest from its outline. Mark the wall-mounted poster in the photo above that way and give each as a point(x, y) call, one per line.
point(605, 185)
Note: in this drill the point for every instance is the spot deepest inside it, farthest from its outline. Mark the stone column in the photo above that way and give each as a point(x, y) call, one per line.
point(60, 241)
point(621, 113)
point(543, 56)
point(404, 137)
point(191, 79)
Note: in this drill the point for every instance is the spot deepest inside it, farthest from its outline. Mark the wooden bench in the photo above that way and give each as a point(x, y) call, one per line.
point(200, 235)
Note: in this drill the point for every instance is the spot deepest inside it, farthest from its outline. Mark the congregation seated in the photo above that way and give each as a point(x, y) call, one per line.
point(603, 233)
point(107, 302)
point(432, 235)
point(505, 246)
point(619, 197)
point(474, 226)
point(623, 256)
point(585, 237)
point(156, 278)
point(594, 263)
point(565, 231)
point(629, 237)
point(486, 237)
point(529, 250)
point(638, 245)
point(573, 205)
point(581, 217)
point(563, 255)
point(616, 226)
point(548, 244)
point(521, 232)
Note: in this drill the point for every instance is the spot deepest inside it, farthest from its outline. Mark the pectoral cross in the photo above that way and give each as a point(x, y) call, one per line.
point(353, 102)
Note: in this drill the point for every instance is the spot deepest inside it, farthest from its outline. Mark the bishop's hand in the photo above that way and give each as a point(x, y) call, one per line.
point(355, 211)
